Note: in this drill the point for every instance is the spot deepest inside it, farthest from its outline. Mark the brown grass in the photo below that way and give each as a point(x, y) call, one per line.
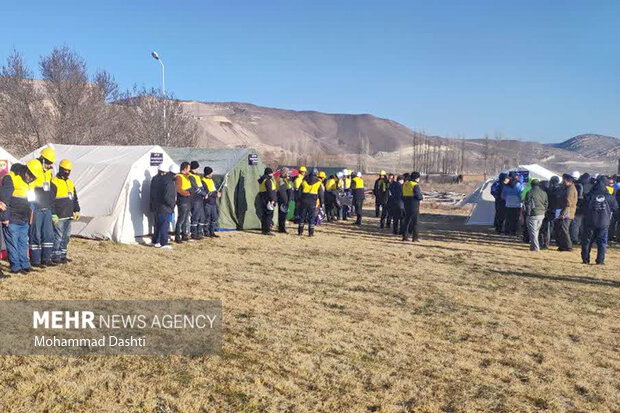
point(351, 320)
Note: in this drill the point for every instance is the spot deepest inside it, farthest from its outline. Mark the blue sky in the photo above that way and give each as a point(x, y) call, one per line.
point(543, 70)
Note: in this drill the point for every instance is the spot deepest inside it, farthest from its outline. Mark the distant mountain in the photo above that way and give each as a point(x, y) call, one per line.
point(592, 146)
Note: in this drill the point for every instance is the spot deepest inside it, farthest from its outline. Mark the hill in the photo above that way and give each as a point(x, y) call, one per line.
point(592, 146)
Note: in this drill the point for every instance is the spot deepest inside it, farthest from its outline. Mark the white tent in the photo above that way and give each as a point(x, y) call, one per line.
point(113, 188)
point(483, 212)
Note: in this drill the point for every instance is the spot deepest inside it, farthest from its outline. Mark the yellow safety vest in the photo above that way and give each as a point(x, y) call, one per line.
point(263, 188)
point(610, 189)
point(347, 183)
point(359, 183)
point(285, 182)
point(408, 188)
point(64, 188)
point(20, 187)
point(307, 188)
point(208, 183)
point(185, 183)
point(298, 180)
point(197, 180)
point(44, 179)
point(331, 185)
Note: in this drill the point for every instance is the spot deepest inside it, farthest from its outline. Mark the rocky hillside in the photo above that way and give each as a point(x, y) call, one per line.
point(592, 146)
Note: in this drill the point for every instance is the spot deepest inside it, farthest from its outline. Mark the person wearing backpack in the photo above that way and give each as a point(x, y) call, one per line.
point(535, 208)
point(601, 205)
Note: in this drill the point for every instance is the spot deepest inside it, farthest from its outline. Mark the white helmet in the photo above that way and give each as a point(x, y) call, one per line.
point(575, 174)
point(345, 172)
point(359, 174)
point(163, 167)
point(174, 168)
point(339, 175)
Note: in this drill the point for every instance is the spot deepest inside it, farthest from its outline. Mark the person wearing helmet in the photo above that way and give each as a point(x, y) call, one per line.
point(42, 228)
point(197, 196)
point(15, 195)
point(210, 203)
point(311, 190)
point(184, 203)
point(267, 190)
point(163, 199)
point(331, 197)
point(358, 191)
point(65, 208)
point(380, 192)
point(296, 185)
point(412, 195)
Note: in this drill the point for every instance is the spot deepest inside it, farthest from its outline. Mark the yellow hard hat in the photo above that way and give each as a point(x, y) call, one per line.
point(48, 154)
point(303, 169)
point(382, 172)
point(322, 174)
point(66, 164)
point(36, 168)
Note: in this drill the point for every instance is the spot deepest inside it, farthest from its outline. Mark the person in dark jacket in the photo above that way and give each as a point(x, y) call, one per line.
point(500, 204)
point(184, 203)
point(380, 193)
point(310, 191)
point(567, 214)
point(536, 204)
point(412, 195)
point(575, 225)
point(210, 203)
point(395, 203)
point(285, 191)
point(197, 196)
point(267, 191)
point(600, 206)
point(511, 194)
point(386, 218)
point(15, 218)
point(41, 234)
point(65, 208)
point(163, 201)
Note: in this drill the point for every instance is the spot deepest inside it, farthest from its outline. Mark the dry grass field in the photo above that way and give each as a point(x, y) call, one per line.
point(350, 320)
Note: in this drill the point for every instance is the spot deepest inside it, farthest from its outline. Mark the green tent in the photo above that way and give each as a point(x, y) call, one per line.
point(235, 173)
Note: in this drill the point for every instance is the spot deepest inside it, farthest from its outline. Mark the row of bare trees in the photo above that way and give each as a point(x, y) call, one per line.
point(65, 104)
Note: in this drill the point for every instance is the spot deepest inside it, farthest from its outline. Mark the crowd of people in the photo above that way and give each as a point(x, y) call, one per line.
point(339, 196)
point(36, 212)
point(576, 209)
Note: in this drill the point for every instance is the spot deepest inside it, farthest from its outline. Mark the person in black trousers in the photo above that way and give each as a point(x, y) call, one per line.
point(412, 195)
point(267, 191)
point(285, 190)
point(395, 203)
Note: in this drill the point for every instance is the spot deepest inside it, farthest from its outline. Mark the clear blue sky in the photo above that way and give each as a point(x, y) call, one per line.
point(544, 70)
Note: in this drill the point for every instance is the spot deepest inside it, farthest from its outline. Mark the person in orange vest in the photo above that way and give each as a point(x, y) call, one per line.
point(210, 203)
point(412, 195)
point(184, 203)
point(14, 195)
point(65, 208)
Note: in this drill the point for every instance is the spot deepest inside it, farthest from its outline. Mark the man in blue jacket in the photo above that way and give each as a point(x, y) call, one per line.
point(500, 204)
point(600, 206)
point(511, 194)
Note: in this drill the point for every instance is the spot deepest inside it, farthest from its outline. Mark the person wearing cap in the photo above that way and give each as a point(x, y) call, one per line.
point(412, 195)
point(42, 228)
point(197, 195)
point(395, 203)
point(380, 192)
point(184, 203)
point(267, 191)
point(285, 189)
point(358, 189)
point(65, 208)
point(210, 203)
point(535, 207)
point(567, 214)
point(311, 190)
point(163, 199)
point(301, 174)
point(15, 195)
point(600, 206)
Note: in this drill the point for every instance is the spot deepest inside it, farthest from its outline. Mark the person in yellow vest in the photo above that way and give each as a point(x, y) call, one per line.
point(311, 191)
point(267, 191)
point(358, 189)
point(285, 190)
point(65, 208)
point(412, 195)
point(42, 229)
point(197, 196)
point(210, 203)
point(184, 203)
point(15, 195)
point(331, 197)
point(380, 191)
point(301, 174)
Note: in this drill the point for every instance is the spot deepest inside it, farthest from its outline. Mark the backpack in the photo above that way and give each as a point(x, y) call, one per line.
point(600, 212)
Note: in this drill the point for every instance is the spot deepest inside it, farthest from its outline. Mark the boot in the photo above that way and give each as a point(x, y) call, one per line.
point(300, 230)
point(177, 239)
point(185, 237)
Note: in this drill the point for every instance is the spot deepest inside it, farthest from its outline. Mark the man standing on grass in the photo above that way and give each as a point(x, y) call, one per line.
point(163, 199)
point(536, 204)
point(412, 195)
point(380, 192)
point(311, 190)
point(600, 206)
point(569, 207)
point(210, 203)
point(197, 198)
point(184, 203)
point(267, 190)
point(285, 190)
point(65, 208)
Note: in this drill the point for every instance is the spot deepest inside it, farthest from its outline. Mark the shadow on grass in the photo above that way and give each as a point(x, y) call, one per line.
point(579, 280)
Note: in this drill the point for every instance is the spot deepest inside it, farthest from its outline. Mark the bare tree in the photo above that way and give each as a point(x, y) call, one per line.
point(486, 150)
point(23, 112)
